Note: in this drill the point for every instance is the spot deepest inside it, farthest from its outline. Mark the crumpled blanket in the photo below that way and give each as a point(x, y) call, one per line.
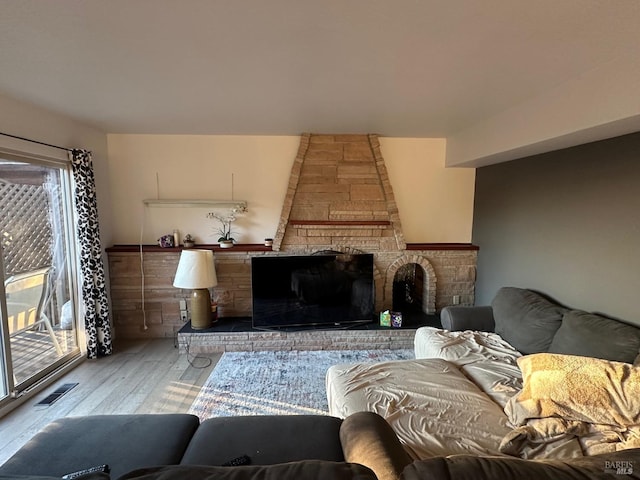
point(463, 347)
point(484, 357)
point(572, 406)
point(559, 438)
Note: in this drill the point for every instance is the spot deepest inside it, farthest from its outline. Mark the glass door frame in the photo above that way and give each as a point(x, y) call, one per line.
point(13, 389)
point(6, 364)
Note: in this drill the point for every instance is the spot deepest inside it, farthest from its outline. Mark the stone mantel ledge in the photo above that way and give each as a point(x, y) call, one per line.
point(258, 247)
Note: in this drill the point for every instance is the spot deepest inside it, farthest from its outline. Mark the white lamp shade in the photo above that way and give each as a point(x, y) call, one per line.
point(196, 270)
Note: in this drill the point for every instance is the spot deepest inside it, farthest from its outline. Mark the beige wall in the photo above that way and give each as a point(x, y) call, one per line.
point(26, 120)
point(436, 205)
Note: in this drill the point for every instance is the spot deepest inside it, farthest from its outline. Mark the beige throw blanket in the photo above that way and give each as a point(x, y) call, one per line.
point(571, 406)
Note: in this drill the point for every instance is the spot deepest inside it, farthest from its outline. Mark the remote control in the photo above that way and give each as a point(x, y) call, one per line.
point(236, 462)
point(87, 471)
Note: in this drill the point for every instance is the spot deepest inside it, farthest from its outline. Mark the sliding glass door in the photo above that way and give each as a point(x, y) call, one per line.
point(37, 271)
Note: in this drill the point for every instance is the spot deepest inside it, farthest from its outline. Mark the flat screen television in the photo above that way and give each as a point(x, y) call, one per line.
point(312, 290)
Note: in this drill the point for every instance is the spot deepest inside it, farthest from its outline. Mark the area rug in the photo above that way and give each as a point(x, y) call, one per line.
point(276, 383)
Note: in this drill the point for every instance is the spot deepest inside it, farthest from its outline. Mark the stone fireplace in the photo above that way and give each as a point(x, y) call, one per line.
point(339, 198)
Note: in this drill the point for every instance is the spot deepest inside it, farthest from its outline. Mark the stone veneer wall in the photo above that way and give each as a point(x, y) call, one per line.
point(454, 270)
point(339, 193)
point(161, 311)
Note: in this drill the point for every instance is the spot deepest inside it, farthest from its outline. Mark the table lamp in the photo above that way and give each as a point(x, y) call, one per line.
point(196, 271)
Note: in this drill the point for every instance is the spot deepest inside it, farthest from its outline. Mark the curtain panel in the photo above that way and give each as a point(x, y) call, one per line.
point(94, 290)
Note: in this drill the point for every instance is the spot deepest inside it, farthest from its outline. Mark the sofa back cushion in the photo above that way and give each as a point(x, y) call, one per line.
point(591, 335)
point(525, 319)
point(123, 442)
point(307, 470)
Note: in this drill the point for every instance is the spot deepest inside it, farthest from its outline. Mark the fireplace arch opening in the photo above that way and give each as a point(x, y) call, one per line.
point(408, 289)
point(403, 269)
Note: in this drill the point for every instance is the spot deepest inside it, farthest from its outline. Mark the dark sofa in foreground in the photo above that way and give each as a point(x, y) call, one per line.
point(179, 447)
point(309, 445)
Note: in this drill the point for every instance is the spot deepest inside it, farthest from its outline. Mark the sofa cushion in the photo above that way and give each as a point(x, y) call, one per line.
point(525, 319)
point(592, 335)
point(430, 404)
point(265, 439)
point(123, 442)
point(462, 347)
point(307, 470)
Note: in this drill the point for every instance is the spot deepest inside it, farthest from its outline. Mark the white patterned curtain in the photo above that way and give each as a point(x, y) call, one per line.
point(94, 291)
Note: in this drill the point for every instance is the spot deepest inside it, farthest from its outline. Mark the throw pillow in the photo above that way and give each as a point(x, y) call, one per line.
point(592, 335)
point(576, 388)
point(525, 319)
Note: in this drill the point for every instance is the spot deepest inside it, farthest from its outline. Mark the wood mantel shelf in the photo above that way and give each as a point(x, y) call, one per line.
point(342, 223)
point(442, 246)
point(258, 247)
point(239, 247)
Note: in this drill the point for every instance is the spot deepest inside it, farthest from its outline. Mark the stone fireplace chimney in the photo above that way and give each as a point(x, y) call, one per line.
point(339, 195)
point(340, 198)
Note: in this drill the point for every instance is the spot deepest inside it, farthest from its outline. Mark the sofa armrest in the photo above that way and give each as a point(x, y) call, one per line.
point(621, 464)
point(368, 439)
point(460, 317)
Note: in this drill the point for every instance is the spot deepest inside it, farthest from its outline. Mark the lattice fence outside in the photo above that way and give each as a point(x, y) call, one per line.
point(25, 226)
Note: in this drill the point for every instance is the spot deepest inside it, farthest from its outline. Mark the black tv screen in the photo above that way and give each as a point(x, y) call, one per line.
point(312, 290)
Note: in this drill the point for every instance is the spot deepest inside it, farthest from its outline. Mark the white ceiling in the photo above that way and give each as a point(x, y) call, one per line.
point(407, 68)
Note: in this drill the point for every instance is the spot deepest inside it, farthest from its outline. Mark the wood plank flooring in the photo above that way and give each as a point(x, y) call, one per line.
point(142, 376)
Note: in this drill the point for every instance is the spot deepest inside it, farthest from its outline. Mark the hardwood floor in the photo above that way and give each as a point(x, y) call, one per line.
point(143, 376)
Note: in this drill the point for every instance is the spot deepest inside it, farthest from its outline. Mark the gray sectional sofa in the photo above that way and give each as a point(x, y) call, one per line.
point(522, 385)
point(533, 323)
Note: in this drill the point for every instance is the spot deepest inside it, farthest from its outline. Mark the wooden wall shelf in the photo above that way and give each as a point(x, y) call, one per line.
point(258, 247)
point(442, 246)
point(178, 203)
point(240, 247)
point(341, 223)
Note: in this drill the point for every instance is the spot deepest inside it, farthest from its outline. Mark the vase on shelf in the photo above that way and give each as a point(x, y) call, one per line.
point(226, 243)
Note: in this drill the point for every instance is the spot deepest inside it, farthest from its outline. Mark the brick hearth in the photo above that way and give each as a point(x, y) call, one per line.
point(224, 339)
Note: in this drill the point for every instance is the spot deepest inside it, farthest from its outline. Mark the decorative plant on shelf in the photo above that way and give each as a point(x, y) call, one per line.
point(224, 231)
point(188, 241)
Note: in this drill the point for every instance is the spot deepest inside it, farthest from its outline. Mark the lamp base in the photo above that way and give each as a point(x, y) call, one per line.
point(200, 309)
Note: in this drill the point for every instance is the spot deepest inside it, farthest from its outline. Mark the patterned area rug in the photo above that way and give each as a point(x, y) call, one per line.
point(276, 383)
